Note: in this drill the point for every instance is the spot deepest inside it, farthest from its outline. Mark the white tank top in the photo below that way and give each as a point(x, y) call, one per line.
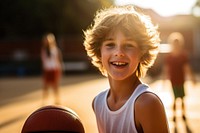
point(52, 62)
point(120, 121)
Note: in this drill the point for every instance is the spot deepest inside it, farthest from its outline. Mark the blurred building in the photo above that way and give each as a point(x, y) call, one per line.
point(23, 57)
point(189, 26)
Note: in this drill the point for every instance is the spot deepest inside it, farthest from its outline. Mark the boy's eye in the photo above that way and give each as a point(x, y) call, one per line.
point(110, 45)
point(128, 45)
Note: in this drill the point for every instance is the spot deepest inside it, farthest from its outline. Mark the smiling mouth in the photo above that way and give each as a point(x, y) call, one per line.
point(119, 63)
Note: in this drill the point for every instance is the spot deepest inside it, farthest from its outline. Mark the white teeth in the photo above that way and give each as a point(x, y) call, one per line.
point(119, 63)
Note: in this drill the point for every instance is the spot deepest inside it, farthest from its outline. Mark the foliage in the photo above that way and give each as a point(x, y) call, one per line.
point(32, 18)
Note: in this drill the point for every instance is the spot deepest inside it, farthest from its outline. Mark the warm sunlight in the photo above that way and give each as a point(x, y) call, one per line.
point(162, 7)
point(165, 48)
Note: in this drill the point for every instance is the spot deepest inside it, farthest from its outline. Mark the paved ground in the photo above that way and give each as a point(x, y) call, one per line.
point(19, 97)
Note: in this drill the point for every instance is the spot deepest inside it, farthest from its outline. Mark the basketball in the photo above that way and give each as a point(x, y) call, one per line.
point(53, 119)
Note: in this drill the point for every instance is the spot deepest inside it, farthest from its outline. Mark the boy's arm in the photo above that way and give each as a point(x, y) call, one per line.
point(60, 59)
point(150, 115)
point(189, 72)
point(93, 104)
point(164, 76)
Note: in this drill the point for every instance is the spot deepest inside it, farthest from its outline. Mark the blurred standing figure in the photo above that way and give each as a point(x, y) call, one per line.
point(176, 67)
point(51, 60)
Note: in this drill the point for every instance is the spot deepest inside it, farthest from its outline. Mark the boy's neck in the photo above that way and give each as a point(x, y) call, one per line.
point(124, 87)
point(120, 92)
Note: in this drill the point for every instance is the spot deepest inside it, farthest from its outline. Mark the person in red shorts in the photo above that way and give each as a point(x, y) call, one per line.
point(51, 61)
point(176, 67)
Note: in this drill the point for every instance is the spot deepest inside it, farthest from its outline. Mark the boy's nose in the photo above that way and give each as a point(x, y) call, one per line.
point(119, 52)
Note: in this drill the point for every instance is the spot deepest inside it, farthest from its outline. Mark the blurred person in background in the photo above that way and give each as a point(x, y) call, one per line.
point(176, 68)
point(52, 66)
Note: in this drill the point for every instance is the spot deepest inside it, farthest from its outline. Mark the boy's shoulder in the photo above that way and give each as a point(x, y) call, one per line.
point(102, 94)
point(148, 101)
point(99, 98)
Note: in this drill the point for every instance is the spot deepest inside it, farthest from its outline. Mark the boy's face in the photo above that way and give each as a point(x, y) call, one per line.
point(176, 45)
point(120, 55)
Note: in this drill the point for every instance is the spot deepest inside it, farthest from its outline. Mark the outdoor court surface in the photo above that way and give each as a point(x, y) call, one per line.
point(19, 97)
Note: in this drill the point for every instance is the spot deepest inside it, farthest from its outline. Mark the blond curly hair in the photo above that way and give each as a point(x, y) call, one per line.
point(130, 21)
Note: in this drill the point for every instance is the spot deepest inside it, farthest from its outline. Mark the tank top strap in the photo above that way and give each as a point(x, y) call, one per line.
point(141, 88)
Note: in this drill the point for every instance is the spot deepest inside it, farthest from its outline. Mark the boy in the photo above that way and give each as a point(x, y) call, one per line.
point(123, 44)
point(176, 68)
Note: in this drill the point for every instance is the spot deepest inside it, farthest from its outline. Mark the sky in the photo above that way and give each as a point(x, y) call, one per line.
point(162, 7)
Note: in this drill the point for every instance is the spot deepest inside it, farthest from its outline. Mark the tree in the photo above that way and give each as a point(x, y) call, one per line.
point(32, 18)
point(196, 9)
